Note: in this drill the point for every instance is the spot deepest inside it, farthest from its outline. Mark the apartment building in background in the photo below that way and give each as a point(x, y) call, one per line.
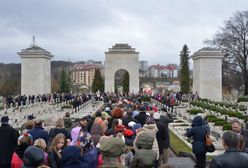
point(83, 74)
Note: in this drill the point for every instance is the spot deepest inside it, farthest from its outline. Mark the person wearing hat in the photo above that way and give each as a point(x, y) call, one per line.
point(198, 133)
point(107, 110)
point(151, 127)
point(161, 134)
point(8, 142)
point(33, 157)
point(111, 149)
point(128, 118)
point(144, 155)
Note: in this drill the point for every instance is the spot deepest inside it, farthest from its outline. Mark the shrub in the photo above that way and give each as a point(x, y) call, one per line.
point(178, 121)
point(194, 111)
point(243, 99)
point(211, 116)
point(203, 100)
point(242, 108)
point(227, 126)
point(146, 98)
point(66, 107)
point(220, 122)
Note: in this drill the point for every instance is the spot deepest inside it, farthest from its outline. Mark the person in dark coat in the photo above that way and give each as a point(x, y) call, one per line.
point(128, 118)
point(166, 119)
point(198, 132)
point(38, 131)
point(67, 120)
point(161, 134)
point(33, 157)
point(141, 117)
point(232, 157)
point(8, 142)
point(59, 128)
point(71, 157)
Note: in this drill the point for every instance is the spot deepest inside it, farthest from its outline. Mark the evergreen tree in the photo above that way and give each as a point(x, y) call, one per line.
point(184, 69)
point(126, 82)
point(98, 84)
point(64, 82)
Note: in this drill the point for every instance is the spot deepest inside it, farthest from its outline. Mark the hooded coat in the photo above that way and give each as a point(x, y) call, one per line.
point(33, 157)
point(198, 132)
point(71, 157)
point(151, 128)
point(144, 156)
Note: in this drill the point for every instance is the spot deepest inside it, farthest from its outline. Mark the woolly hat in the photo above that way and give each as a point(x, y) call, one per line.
point(156, 116)
point(128, 133)
point(33, 157)
point(113, 147)
point(5, 119)
point(142, 109)
point(149, 120)
point(131, 123)
point(119, 128)
point(197, 121)
point(107, 109)
point(101, 140)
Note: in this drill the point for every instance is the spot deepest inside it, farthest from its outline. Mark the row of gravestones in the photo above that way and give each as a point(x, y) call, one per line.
point(40, 110)
point(216, 132)
point(225, 117)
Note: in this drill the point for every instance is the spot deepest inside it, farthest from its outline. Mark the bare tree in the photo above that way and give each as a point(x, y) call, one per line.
point(233, 40)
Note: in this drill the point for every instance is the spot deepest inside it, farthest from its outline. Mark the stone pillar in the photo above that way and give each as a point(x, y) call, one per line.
point(35, 70)
point(122, 56)
point(207, 73)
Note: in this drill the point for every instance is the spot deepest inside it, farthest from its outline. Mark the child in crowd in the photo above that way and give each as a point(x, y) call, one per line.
point(54, 155)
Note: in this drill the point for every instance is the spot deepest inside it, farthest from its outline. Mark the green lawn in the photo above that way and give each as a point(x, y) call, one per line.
point(178, 145)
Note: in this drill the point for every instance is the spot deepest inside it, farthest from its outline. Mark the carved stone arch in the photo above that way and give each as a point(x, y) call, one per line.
point(122, 56)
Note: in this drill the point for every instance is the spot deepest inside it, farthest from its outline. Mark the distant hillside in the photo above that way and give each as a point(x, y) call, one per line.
point(10, 77)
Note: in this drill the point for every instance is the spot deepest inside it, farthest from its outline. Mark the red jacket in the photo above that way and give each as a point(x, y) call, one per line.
point(16, 162)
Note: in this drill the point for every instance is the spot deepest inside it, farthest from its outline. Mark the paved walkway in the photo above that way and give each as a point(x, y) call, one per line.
point(179, 162)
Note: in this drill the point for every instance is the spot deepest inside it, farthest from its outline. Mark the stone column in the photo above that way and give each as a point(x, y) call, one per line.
point(35, 70)
point(207, 73)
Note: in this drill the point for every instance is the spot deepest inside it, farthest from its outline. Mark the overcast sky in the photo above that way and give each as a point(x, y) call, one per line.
point(75, 30)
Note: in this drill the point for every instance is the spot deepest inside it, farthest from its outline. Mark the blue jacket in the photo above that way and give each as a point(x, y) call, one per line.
point(198, 132)
point(39, 132)
point(90, 158)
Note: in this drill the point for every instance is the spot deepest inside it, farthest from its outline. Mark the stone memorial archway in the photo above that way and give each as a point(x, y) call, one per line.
point(122, 56)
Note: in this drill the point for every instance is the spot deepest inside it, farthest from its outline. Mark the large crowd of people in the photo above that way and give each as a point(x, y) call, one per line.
point(124, 132)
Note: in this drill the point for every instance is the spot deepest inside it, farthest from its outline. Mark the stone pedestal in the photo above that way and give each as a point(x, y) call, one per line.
point(35, 71)
point(207, 73)
point(122, 56)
